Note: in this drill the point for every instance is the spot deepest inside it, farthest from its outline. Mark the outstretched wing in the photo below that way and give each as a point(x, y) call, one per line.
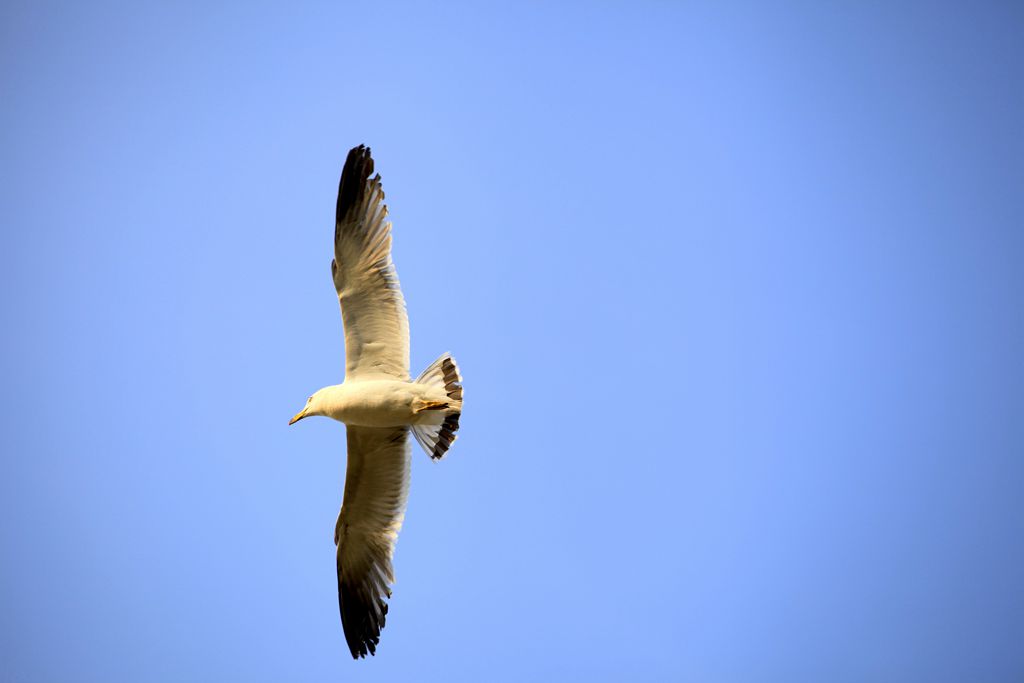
point(372, 306)
point(376, 490)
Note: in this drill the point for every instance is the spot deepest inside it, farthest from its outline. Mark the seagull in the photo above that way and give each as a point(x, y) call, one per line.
point(378, 402)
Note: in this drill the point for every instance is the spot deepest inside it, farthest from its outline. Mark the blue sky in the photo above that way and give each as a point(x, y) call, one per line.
point(736, 291)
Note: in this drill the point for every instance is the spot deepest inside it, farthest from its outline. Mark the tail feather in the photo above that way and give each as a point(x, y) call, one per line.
point(436, 439)
point(444, 371)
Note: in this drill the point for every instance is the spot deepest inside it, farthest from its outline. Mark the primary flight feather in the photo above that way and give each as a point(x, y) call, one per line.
point(378, 403)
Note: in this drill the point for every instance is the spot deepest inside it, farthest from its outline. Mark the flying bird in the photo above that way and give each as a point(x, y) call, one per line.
point(378, 402)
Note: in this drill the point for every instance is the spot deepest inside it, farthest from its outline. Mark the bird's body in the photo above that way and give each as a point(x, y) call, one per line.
point(378, 403)
point(384, 403)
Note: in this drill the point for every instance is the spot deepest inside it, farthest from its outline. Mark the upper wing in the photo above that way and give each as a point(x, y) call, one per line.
point(372, 306)
point(376, 490)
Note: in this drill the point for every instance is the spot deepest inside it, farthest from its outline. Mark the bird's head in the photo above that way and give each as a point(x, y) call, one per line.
point(312, 408)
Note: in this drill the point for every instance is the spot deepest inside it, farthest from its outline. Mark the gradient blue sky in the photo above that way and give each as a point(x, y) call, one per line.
point(736, 290)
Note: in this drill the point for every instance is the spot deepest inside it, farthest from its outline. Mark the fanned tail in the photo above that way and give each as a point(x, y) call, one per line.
point(436, 439)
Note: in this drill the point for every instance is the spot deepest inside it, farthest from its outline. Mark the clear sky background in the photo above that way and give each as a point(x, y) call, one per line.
point(736, 291)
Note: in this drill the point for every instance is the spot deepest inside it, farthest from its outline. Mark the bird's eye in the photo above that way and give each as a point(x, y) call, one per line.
point(309, 399)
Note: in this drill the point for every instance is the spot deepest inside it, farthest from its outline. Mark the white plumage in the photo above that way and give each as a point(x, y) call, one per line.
point(377, 402)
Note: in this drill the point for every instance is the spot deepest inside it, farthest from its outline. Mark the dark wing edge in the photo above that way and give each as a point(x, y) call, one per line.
point(361, 601)
point(352, 186)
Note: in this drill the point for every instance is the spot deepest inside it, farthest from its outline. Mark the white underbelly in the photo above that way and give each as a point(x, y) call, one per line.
point(379, 403)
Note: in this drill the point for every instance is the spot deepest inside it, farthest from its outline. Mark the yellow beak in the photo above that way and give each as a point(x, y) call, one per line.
point(298, 416)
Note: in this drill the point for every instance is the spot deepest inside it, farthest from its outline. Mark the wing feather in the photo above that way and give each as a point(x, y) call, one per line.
point(372, 305)
point(376, 491)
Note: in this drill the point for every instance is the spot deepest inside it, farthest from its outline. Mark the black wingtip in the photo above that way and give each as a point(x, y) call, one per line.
point(363, 615)
point(362, 634)
point(358, 167)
